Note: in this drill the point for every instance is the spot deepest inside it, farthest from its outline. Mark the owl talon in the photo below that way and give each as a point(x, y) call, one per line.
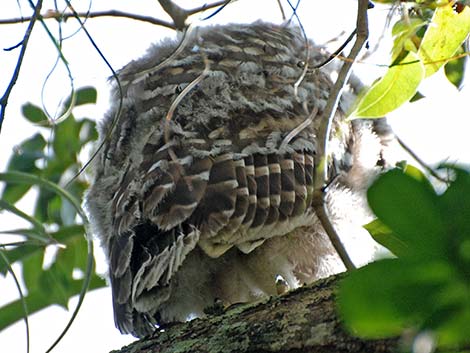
point(282, 286)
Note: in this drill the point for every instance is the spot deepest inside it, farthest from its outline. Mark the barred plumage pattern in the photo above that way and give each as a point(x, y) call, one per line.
point(183, 205)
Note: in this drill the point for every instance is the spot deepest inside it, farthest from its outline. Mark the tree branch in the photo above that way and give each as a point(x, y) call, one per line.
point(16, 73)
point(111, 13)
point(207, 7)
point(300, 321)
point(180, 15)
point(324, 132)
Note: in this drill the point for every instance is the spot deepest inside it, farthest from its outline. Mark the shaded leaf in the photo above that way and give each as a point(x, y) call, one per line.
point(37, 300)
point(385, 237)
point(24, 160)
point(418, 175)
point(33, 113)
point(404, 32)
point(452, 326)
point(455, 69)
point(67, 143)
point(24, 178)
point(373, 307)
point(88, 131)
point(409, 208)
point(455, 204)
point(38, 232)
point(32, 269)
point(397, 86)
point(83, 95)
point(63, 235)
point(418, 95)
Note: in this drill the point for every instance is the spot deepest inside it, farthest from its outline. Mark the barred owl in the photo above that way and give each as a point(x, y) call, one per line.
point(198, 195)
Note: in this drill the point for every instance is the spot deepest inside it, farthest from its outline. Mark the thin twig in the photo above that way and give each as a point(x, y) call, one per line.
point(420, 161)
point(120, 91)
point(337, 52)
point(307, 48)
point(207, 7)
point(283, 14)
point(139, 76)
point(294, 132)
point(324, 133)
point(16, 73)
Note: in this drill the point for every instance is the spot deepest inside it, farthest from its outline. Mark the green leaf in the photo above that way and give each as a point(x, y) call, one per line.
point(38, 300)
point(385, 237)
point(33, 113)
point(38, 231)
point(382, 299)
point(452, 329)
point(67, 143)
point(88, 131)
point(455, 205)
point(396, 87)
point(83, 95)
point(444, 36)
point(24, 160)
point(32, 268)
point(57, 282)
point(418, 95)
point(409, 208)
point(63, 235)
point(418, 175)
point(403, 32)
point(455, 69)
point(24, 178)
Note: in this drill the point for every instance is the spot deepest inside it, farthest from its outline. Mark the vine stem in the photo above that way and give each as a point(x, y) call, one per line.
point(321, 177)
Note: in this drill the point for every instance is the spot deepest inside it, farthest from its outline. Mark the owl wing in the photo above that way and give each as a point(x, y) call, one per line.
point(218, 175)
point(168, 206)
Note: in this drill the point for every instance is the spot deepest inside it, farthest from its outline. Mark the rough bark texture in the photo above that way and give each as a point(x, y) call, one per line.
point(300, 321)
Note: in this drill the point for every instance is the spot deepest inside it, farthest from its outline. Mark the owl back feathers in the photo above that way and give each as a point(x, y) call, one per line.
point(217, 175)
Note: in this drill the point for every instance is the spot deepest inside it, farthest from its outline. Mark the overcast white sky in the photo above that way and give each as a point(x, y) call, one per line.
point(436, 127)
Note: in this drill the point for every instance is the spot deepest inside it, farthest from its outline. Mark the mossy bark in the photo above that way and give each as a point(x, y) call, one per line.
point(304, 321)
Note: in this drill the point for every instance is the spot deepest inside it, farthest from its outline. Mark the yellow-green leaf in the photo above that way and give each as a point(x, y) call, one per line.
point(446, 32)
point(403, 32)
point(396, 87)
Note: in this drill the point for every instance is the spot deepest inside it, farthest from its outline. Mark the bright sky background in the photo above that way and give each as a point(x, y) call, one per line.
point(436, 128)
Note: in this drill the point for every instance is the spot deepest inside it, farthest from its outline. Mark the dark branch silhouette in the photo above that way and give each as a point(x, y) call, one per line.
point(16, 72)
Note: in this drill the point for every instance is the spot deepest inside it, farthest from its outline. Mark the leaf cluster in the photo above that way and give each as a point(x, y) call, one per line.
point(57, 221)
point(428, 37)
point(427, 287)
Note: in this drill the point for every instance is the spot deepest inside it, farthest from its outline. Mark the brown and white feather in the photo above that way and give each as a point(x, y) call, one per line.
point(212, 204)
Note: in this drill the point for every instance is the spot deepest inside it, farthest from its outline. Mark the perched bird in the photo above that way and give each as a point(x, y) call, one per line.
point(201, 191)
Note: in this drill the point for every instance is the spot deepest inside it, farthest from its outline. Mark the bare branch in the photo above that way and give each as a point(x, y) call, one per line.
point(180, 15)
point(177, 14)
point(207, 7)
point(337, 52)
point(111, 13)
point(324, 132)
point(16, 73)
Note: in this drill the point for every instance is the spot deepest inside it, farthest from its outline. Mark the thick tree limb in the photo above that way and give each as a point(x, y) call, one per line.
point(300, 321)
